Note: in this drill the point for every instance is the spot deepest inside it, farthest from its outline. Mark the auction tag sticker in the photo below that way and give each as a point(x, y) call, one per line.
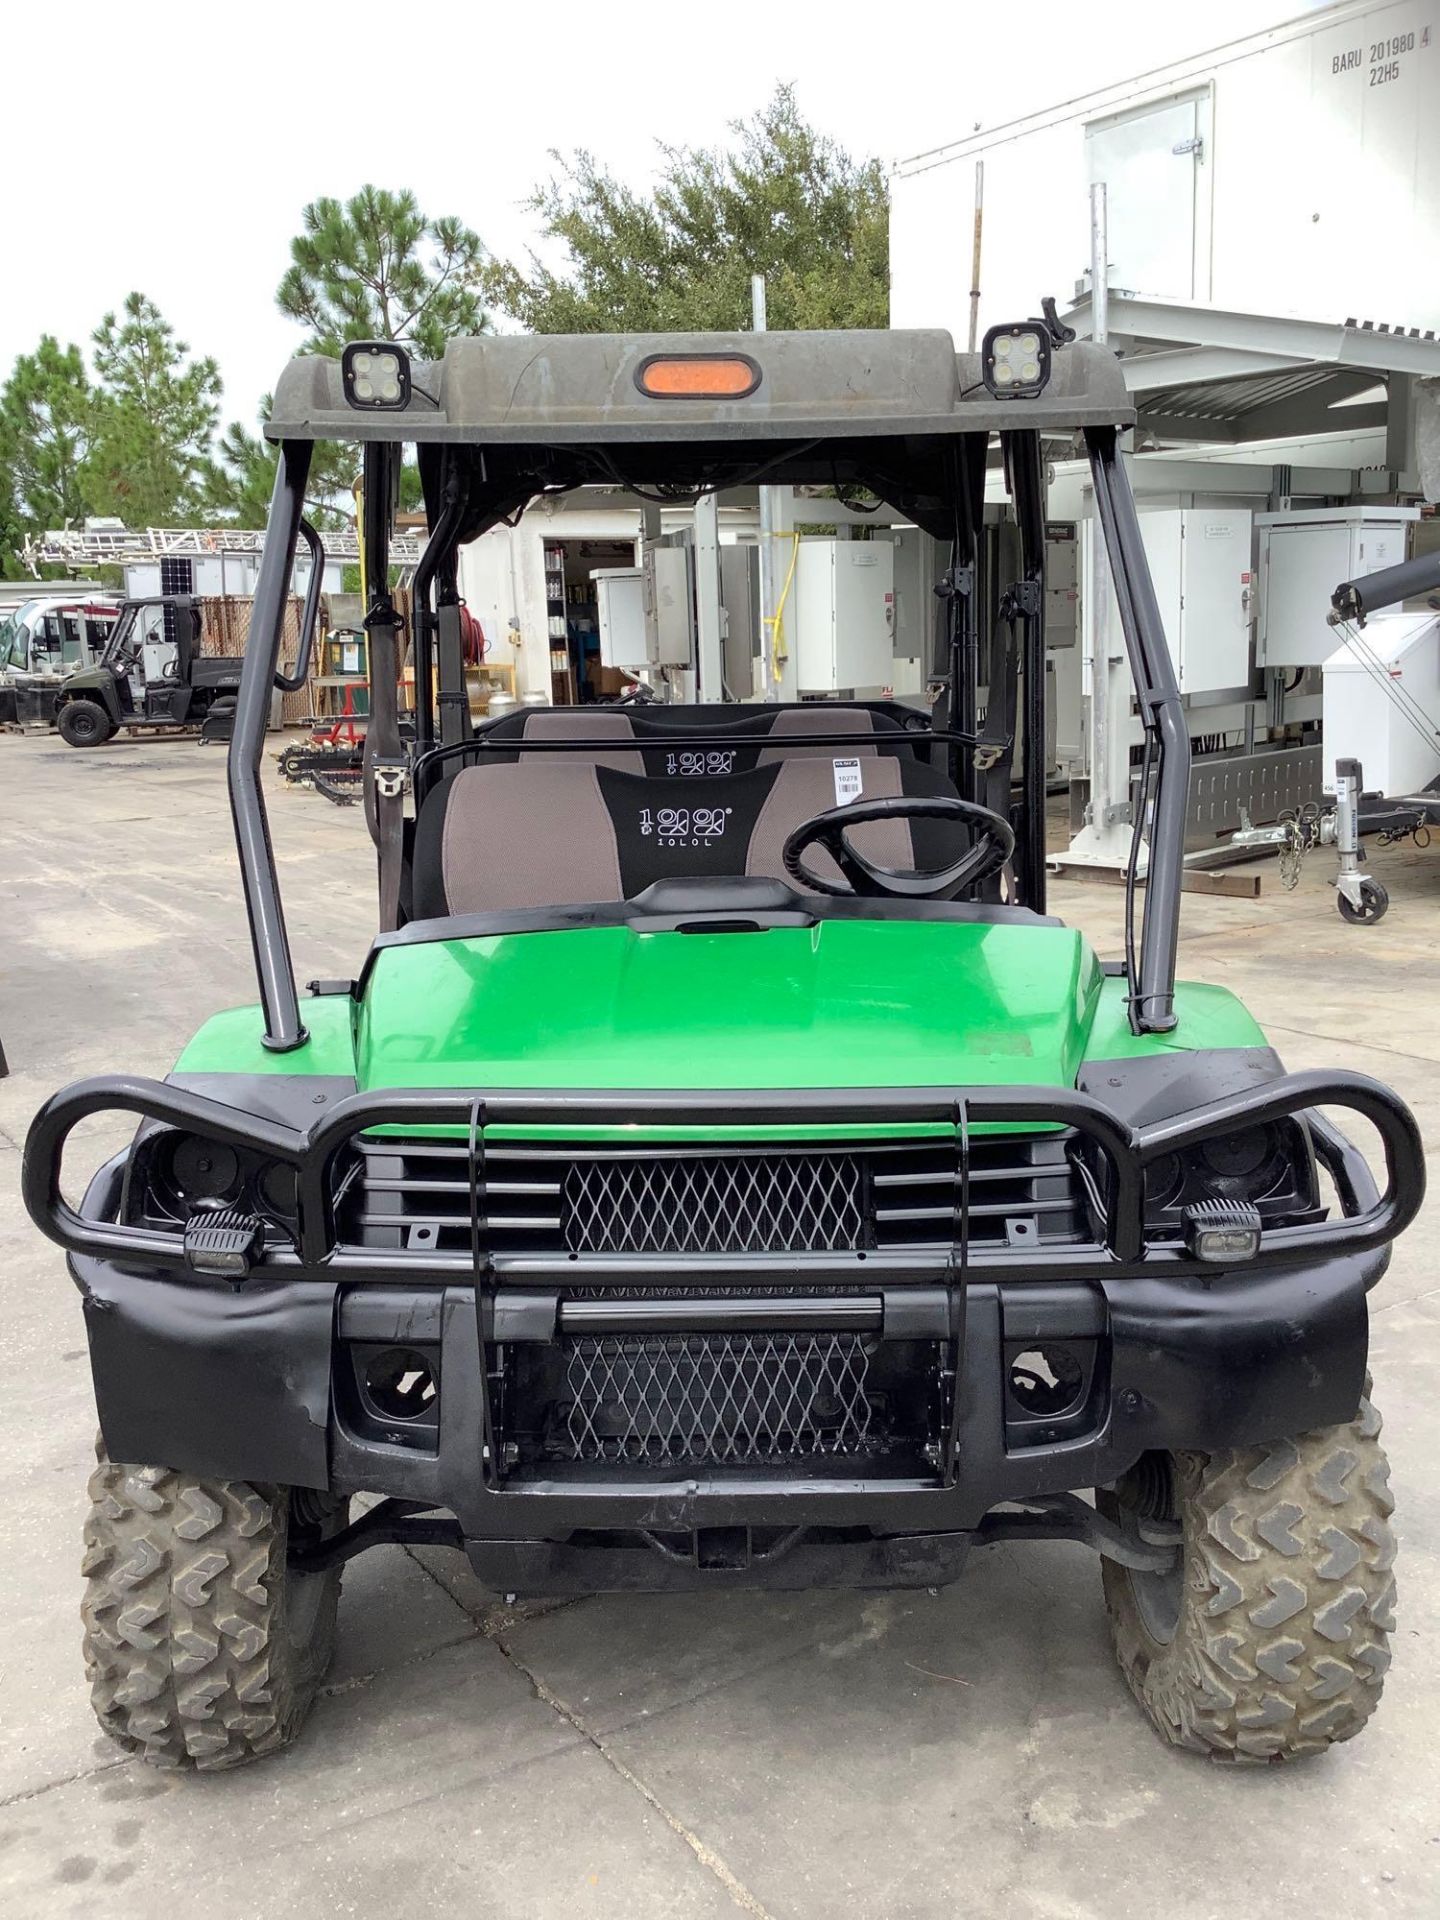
point(848, 782)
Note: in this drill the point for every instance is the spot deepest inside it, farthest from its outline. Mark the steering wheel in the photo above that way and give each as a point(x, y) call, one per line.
point(993, 845)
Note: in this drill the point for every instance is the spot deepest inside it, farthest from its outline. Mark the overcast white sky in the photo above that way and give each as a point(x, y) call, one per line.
point(171, 147)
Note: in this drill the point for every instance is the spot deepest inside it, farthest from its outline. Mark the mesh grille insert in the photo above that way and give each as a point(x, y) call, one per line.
point(715, 1204)
point(713, 1397)
point(672, 1201)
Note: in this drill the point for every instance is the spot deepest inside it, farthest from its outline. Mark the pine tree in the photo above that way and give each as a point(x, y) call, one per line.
point(374, 268)
point(46, 419)
point(154, 415)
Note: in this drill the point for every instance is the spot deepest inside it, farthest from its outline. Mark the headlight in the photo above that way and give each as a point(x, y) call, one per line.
point(198, 1172)
point(1239, 1160)
point(176, 1178)
point(1254, 1177)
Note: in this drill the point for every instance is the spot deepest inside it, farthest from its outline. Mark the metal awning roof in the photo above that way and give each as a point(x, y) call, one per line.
point(1201, 373)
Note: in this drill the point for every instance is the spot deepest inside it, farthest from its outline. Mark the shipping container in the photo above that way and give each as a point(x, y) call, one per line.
point(1293, 172)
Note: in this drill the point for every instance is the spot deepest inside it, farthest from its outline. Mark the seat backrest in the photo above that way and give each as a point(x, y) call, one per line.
point(581, 723)
point(791, 725)
point(661, 734)
point(549, 831)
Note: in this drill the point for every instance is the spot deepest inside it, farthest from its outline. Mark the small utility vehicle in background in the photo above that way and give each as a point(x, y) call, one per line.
point(723, 1170)
point(151, 674)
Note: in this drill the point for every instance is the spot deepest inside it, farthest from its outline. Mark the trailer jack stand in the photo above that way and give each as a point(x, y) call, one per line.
point(1360, 899)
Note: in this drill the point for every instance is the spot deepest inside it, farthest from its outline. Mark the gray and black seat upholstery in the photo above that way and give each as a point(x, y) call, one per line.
point(550, 830)
point(653, 739)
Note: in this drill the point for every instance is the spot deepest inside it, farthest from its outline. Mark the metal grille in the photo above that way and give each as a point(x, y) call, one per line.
point(654, 1398)
point(413, 1195)
point(742, 1204)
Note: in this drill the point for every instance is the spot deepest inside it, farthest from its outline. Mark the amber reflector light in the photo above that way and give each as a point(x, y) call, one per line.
point(730, 377)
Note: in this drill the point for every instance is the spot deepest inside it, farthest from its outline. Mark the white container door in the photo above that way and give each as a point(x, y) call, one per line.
point(1150, 160)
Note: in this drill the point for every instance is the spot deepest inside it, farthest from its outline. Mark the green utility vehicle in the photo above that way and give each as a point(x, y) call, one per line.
point(723, 1171)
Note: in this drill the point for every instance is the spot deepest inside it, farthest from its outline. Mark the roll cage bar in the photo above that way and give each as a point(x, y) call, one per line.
point(931, 469)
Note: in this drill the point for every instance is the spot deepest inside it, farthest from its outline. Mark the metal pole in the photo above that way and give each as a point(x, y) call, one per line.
point(1099, 267)
point(975, 255)
point(439, 552)
point(283, 1030)
point(1152, 987)
point(769, 558)
point(1027, 464)
point(709, 648)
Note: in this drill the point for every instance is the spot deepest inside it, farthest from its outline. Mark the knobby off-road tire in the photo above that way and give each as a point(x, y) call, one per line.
point(84, 723)
point(1278, 1625)
point(203, 1647)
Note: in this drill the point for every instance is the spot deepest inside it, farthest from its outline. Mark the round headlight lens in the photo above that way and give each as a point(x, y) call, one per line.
point(1240, 1155)
point(202, 1171)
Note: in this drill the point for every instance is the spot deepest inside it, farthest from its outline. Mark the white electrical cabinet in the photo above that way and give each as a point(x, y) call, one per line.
point(1382, 703)
point(1304, 555)
point(1200, 559)
point(843, 616)
point(1200, 564)
point(669, 606)
point(620, 615)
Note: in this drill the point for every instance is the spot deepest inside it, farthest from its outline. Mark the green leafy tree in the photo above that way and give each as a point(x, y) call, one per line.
point(782, 200)
point(46, 418)
point(155, 413)
point(375, 268)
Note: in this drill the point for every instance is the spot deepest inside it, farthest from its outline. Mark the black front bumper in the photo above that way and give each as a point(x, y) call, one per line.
point(265, 1380)
point(257, 1386)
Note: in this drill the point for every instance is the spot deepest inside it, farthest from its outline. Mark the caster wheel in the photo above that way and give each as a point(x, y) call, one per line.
point(1374, 902)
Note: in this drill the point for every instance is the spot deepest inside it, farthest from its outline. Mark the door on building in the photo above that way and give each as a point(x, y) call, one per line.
point(1152, 161)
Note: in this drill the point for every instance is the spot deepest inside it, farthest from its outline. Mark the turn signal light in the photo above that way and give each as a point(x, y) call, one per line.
point(697, 376)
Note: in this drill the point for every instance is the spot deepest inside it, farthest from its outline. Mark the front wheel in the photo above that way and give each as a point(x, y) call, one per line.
point(1374, 902)
point(84, 723)
point(1269, 1640)
point(204, 1646)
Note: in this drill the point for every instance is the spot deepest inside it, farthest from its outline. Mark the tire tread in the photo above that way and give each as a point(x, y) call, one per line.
point(187, 1632)
point(1282, 1647)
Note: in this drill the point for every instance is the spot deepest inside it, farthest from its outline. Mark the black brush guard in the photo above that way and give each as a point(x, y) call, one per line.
point(1369, 1219)
point(1200, 1355)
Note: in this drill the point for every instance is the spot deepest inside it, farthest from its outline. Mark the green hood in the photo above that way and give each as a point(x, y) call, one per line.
point(846, 1003)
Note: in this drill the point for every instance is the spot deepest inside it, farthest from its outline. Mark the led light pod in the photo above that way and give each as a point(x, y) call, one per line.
point(1221, 1232)
point(1015, 360)
point(375, 374)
